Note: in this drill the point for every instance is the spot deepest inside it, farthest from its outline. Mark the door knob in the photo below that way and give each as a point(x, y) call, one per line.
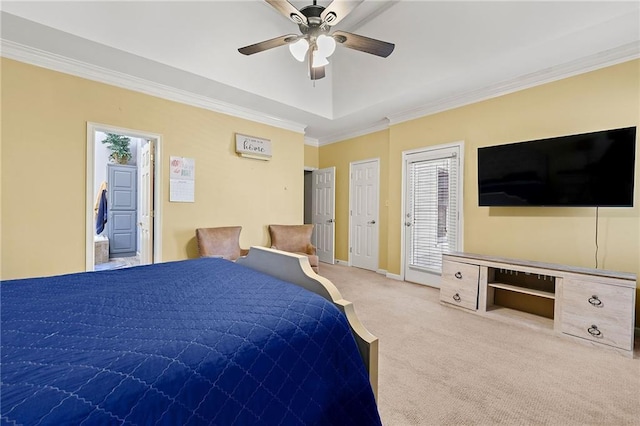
point(330, 220)
point(372, 222)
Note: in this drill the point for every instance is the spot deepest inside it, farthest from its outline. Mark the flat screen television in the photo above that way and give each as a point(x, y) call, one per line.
point(590, 169)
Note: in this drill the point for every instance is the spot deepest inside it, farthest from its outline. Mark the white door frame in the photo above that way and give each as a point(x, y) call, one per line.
point(405, 154)
point(371, 160)
point(154, 138)
point(146, 167)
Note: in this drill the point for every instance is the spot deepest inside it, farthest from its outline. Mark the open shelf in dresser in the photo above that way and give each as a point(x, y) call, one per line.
point(523, 290)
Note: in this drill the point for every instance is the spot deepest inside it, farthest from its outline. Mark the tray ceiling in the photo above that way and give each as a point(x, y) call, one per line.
point(447, 53)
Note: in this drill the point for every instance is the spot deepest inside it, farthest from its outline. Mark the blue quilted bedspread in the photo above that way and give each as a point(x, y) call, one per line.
point(202, 341)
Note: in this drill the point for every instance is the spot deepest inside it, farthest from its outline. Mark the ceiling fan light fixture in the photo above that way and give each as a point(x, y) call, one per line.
point(314, 43)
point(318, 60)
point(326, 45)
point(299, 49)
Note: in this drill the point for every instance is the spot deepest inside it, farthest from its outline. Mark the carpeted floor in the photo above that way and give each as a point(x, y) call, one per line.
point(443, 366)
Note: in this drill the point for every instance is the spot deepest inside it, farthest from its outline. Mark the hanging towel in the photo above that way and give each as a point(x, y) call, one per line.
point(101, 214)
point(103, 187)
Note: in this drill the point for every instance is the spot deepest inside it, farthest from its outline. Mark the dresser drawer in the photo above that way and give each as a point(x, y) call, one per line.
point(459, 285)
point(598, 312)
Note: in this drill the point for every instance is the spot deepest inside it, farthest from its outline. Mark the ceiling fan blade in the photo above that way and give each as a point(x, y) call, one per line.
point(268, 44)
point(317, 73)
point(364, 44)
point(289, 11)
point(337, 10)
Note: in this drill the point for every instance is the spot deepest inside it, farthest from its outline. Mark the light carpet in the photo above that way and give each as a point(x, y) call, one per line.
point(443, 366)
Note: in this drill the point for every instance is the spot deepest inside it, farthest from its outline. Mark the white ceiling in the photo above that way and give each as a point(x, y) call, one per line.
point(447, 53)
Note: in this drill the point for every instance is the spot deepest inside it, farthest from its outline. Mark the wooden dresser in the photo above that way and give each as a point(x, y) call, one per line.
point(593, 305)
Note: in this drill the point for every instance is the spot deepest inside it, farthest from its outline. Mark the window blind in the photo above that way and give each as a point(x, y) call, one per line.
point(433, 210)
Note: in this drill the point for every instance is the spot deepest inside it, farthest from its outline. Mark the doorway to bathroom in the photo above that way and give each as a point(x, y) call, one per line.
point(123, 198)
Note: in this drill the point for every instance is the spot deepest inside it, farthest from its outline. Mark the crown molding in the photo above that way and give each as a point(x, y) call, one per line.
point(311, 141)
point(354, 133)
point(624, 53)
point(37, 57)
point(40, 58)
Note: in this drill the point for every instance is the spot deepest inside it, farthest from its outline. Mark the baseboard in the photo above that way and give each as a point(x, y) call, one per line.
point(379, 271)
point(394, 276)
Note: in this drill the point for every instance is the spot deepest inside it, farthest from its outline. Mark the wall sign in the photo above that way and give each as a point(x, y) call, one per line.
point(252, 147)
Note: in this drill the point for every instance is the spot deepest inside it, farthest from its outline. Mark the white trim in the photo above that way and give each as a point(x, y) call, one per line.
point(92, 128)
point(381, 271)
point(311, 141)
point(461, 197)
point(23, 53)
point(309, 168)
point(351, 164)
point(340, 137)
point(608, 58)
point(433, 148)
point(27, 54)
point(89, 232)
point(395, 277)
point(30, 55)
point(349, 247)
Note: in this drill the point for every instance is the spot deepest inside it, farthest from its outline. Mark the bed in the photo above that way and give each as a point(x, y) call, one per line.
point(200, 341)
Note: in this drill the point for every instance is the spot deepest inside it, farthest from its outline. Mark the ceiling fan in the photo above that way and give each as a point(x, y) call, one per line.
point(315, 43)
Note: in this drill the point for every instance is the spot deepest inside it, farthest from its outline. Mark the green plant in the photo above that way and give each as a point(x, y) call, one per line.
point(119, 146)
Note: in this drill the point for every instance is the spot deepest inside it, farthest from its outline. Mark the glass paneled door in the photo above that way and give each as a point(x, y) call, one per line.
point(432, 210)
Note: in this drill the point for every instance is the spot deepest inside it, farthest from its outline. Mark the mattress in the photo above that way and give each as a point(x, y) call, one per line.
point(201, 341)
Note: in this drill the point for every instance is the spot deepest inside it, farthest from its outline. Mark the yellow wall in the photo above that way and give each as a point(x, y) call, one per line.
point(45, 114)
point(43, 137)
point(311, 156)
point(602, 99)
point(341, 155)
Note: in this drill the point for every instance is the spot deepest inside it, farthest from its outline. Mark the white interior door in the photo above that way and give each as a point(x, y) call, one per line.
point(323, 188)
point(432, 211)
point(146, 204)
point(364, 226)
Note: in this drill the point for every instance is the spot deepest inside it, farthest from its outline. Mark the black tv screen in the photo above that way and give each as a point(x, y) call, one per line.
point(590, 169)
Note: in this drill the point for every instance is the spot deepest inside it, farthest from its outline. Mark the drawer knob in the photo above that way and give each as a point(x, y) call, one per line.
point(593, 330)
point(458, 275)
point(595, 301)
point(456, 297)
